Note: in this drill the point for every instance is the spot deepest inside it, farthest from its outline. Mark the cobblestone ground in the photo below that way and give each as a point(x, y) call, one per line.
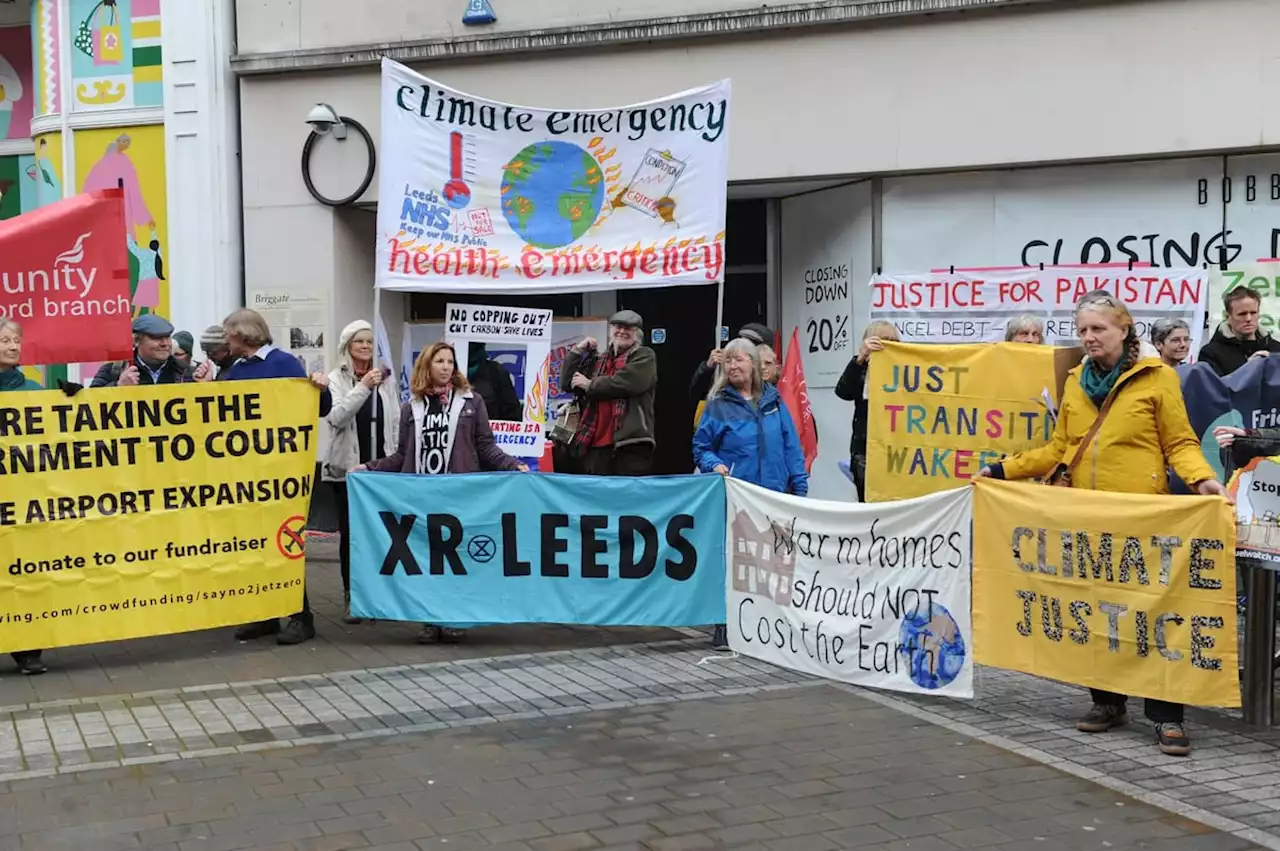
point(214, 656)
point(805, 768)
point(196, 743)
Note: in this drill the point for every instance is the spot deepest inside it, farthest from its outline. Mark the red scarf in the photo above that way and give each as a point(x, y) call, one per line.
point(592, 422)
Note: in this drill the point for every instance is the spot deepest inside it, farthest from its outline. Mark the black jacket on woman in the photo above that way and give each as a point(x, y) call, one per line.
point(850, 388)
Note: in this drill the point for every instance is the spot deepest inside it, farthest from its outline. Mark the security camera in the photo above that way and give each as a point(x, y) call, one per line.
point(324, 119)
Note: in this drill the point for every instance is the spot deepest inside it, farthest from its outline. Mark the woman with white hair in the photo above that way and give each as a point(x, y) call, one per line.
point(747, 433)
point(363, 427)
point(1027, 328)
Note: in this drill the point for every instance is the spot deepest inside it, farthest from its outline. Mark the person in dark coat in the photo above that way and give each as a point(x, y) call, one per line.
point(249, 338)
point(492, 381)
point(617, 385)
point(213, 342)
point(153, 361)
point(184, 349)
point(852, 387)
point(1238, 340)
point(700, 384)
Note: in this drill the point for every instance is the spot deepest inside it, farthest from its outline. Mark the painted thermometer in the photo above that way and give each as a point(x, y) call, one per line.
point(457, 194)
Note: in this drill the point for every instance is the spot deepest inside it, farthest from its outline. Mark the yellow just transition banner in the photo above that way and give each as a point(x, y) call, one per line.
point(936, 415)
point(1128, 593)
point(128, 512)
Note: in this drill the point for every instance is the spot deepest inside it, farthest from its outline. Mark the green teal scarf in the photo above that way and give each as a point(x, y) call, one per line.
point(12, 379)
point(1096, 383)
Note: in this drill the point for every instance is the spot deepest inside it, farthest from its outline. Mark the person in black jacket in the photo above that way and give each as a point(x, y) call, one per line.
point(1238, 340)
point(153, 361)
point(492, 381)
point(213, 342)
point(852, 387)
point(700, 385)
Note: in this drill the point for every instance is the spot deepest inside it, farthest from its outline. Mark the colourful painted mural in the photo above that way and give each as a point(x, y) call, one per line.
point(46, 40)
point(17, 94)
point(133, 158)
point(18, 193)
point(115, 54)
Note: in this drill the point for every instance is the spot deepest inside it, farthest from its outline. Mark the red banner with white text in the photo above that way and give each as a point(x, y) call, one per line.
point(64, 277)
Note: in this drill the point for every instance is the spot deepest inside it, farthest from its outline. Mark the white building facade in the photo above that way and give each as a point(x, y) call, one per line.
point(902, 135)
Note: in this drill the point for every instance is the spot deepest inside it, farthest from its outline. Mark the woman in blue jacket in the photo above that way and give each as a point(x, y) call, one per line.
point(747, 433)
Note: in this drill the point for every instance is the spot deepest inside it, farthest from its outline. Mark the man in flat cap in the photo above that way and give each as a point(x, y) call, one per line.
point(153, 361)
point(615, 389)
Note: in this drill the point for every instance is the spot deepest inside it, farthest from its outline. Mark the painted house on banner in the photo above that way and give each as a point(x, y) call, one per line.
point(762, 561)
point(876, 135)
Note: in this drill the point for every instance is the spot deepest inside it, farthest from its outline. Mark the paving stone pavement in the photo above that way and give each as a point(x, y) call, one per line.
point(1228, 783)
point(189, 699)
point(806, 768)
point(1234, 771)
point(214, 656)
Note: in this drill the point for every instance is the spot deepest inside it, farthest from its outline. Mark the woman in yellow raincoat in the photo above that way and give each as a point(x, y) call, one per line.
point(1144, 432)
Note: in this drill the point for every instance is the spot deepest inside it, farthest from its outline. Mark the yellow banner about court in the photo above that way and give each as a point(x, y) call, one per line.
point(939, 414)
point(1127, 593)
point(136, 511)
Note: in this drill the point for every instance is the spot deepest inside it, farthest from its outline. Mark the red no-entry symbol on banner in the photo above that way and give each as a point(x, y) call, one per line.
point(291, 538)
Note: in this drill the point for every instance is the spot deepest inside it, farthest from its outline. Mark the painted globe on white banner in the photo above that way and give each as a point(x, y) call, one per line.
point(935, 647)
point(552, 193)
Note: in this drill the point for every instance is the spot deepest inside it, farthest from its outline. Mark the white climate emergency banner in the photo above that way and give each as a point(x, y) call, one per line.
point(507, 329)
point(479, 196)
point(976, 306)
point(876, 596)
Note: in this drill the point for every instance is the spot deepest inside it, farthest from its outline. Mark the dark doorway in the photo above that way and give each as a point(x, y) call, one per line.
point(687, 315)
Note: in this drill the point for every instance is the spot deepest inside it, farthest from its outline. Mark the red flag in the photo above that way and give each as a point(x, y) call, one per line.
point(64, 277)
point(795, 395)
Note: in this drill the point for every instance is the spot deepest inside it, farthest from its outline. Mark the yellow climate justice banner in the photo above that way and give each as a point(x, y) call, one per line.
point(938, 414)
point(1121, 592)
point(128, 512)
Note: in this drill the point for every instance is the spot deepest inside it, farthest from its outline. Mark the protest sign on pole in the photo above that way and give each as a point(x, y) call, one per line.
point(938, 414)
point(514, 548)
point(976, 306)
point(874, 596)
point(520, 332)
point(64, 277)
point(1261, 276)
point(1130, 593)
point(566, 333)
point(478, 196)
point(1256, 489)
point(129, 512)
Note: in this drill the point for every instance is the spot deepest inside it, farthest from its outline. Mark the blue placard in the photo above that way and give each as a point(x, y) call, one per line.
point(538, 548)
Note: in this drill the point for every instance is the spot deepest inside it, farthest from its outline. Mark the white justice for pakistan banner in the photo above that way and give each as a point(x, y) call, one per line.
point(476, 196)
point(875, 596)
